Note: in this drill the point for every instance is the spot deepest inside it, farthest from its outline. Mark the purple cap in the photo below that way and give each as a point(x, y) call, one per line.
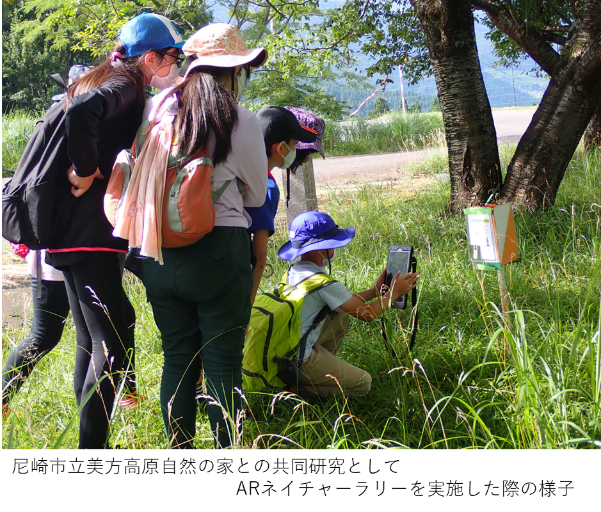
point(314, 231)
point(314, 123)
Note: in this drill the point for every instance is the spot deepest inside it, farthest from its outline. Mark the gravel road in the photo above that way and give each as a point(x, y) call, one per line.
point(509, 124)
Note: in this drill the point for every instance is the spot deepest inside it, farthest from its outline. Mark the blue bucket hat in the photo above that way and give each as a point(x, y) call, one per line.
point(149, 31)
point(313, 231)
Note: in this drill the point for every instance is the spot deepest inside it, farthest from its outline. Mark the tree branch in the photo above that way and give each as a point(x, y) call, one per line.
point(559, 28)
point(561, 15)
point(275, 8)
point(533, 43)
point(512, 12)
point(552, 37)
point(338, 41)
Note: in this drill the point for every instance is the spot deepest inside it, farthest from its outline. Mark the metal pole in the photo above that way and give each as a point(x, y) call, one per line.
point(515, 101)
point(504, 294)
point(402, 93)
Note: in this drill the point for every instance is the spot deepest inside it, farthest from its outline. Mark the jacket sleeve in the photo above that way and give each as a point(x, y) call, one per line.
point(84, 117)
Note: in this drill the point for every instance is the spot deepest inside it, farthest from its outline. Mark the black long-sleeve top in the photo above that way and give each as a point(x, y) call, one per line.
point(99, 124)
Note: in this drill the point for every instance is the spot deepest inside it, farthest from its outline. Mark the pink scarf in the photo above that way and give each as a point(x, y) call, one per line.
point(139, 215)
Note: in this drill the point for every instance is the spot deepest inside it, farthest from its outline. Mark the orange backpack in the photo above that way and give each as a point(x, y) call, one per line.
point(188, 213)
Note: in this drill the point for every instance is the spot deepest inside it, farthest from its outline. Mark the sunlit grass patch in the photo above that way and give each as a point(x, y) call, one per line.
point(399, 132)
point(17, 127)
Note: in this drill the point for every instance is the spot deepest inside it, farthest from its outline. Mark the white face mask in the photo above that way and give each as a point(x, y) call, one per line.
point(241, 80)
point(289, 158)
point(162, 82)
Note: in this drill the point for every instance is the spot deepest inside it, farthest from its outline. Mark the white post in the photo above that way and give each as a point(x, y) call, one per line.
point(402, 93)
point(303, 194)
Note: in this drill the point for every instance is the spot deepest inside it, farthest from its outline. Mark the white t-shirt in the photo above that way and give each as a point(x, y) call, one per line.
point(247, 161)
point(333, 296)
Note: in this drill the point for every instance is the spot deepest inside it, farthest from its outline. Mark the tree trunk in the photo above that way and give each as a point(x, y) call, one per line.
point(470, 132)
point(545, 150)
point(66, 57)
point(592, 134)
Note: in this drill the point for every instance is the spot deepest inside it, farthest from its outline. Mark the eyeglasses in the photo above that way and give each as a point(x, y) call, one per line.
point(179, 58)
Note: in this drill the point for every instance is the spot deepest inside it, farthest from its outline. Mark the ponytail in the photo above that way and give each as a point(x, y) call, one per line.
point(205, 107)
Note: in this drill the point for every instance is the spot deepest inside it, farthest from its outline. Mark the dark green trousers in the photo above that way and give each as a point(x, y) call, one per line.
point(201, 303)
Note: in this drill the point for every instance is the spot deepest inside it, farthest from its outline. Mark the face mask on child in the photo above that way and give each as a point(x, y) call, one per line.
point(241, 79)
point(289, 158)
point(162, 82)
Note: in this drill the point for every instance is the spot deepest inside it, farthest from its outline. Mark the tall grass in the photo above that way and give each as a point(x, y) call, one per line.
point(396, 132)
point(472, 380)
point(17, 127)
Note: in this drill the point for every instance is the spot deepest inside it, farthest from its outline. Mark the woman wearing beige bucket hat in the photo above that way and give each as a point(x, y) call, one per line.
point(201, 294)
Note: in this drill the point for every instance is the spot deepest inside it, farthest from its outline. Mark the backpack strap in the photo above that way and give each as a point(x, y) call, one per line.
point(319, 280)
point(321, 316)
point(296, 356)
point(217, 194)
point(414, 304)
point(257, 375)
point(415, 319)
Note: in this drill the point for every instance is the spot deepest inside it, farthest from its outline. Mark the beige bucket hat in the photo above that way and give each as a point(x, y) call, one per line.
point(221, 45)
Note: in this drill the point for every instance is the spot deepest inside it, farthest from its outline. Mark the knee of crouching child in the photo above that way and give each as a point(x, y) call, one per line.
point(364, 385)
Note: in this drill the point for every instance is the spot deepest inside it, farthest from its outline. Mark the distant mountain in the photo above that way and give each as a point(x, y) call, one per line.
point(506, 87)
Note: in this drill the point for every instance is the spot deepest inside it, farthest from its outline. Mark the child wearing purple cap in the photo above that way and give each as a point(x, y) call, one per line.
point(314, 236)
point(282, 133)
point(305, 149)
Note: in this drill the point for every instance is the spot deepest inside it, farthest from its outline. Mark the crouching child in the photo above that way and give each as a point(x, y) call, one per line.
point(323, 316)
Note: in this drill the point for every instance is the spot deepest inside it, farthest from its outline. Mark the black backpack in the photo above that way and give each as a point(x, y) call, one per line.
point(37, 202)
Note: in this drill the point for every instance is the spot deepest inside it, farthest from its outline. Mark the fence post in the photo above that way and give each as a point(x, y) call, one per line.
point(303, 195)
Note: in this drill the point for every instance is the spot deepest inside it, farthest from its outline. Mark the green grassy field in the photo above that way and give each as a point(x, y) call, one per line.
point(17, 127)
point(395, 132)
point(472, 381)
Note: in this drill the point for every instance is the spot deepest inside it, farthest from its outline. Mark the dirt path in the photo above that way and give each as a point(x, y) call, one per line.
point(509, 125)
point(16, 293)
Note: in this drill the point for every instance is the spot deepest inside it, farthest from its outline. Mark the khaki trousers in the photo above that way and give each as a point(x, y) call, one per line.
point(326, 375)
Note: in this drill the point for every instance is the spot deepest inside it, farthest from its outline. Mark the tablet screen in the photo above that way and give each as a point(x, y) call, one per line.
point(398, 260)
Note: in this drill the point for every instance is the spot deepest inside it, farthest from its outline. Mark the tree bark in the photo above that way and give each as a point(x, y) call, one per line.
point(592, 134)
point(544, 152)
point(469, 128)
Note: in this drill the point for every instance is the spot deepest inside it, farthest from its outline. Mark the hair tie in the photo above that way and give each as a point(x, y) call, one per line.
point(115, 56)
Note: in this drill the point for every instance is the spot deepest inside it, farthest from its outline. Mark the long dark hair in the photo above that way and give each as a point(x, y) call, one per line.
point(205, 107)
point(112, 73)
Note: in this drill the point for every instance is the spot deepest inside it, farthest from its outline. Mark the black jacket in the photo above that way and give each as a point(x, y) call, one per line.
point(99, 124)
